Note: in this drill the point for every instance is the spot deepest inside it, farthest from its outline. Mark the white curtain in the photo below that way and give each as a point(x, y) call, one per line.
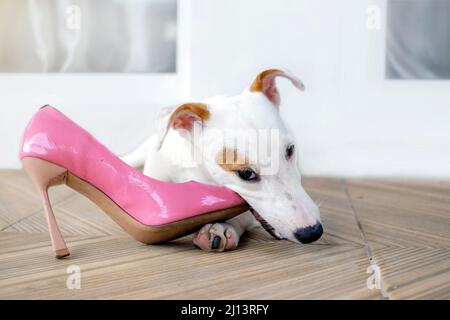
point(88, 36)
point(418, 39)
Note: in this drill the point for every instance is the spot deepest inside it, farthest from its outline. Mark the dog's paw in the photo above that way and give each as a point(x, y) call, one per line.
point(216, 237)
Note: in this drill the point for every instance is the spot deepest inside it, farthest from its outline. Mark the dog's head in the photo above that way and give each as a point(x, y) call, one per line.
point(242, 143)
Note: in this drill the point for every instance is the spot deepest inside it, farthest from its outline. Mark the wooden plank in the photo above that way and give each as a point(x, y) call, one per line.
point(408, 226)
point(121, 268)
point(19, 198)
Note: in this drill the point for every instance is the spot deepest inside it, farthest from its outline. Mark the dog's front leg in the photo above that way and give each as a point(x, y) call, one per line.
point(223, 236)
point(138, 156)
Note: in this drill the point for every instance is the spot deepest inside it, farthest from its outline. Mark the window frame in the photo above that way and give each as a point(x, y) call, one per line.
point(377, 61)
point(103, 89)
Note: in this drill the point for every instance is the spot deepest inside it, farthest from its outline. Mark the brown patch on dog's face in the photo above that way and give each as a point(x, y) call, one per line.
point(231, 160)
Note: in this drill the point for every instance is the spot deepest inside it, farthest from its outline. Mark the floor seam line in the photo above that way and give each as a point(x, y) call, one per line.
point(34, 213)
point(367, 248)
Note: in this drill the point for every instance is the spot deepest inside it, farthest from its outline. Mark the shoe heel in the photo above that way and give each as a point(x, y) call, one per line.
point(44, 175)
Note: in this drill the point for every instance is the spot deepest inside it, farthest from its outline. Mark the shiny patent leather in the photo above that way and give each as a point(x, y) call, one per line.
point(53, 137)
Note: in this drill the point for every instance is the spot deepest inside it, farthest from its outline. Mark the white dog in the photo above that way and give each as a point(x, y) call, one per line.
point(224, 141)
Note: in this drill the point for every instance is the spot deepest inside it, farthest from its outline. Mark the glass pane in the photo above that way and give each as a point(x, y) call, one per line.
point(418, 39)
point(88, 36)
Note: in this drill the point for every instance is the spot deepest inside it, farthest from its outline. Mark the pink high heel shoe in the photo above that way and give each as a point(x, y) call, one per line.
point(55, 150)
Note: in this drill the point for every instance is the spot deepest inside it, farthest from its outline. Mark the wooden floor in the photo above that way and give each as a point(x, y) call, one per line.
point(399, 228)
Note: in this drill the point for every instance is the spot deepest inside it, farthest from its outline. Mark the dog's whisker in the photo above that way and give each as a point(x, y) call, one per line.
point(320, 202)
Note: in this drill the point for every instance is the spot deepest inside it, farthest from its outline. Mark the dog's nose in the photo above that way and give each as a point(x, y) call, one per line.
point(309, 234)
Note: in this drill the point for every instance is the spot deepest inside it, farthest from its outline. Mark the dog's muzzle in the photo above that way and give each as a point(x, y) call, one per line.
point(271, 230)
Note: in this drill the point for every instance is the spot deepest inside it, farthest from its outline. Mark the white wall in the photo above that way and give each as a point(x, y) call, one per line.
point(349, 121)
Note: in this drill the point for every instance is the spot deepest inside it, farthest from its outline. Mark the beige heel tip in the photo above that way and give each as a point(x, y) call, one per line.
point(61, 253)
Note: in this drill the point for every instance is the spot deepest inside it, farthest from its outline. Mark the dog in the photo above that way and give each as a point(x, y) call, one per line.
point(220, 141)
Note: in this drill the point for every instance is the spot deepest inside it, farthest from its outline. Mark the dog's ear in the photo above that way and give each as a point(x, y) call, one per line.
point(265, 83)
point(184, 118)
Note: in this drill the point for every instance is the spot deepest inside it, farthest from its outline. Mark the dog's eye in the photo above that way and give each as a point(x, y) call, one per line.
point(290, 151)
point(247, 174)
